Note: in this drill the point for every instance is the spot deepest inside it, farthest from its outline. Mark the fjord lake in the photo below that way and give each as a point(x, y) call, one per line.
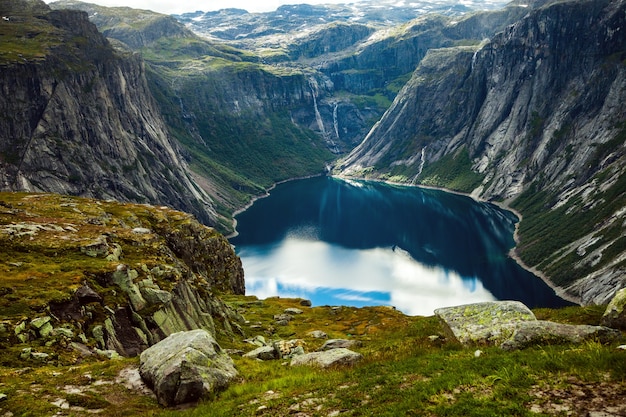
point(338, 242)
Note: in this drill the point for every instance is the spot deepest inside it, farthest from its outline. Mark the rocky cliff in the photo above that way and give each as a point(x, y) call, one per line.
point(103, 277)
point(78, 117)
point(532, 117)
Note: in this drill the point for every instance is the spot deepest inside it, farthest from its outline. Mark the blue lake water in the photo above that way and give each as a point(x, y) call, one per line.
point(338, 242)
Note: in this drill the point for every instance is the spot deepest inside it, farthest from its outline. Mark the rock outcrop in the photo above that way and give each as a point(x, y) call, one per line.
point(186, 367)
point(79, 118)
point(119, 277)
point(511, 325)
point(615, 314)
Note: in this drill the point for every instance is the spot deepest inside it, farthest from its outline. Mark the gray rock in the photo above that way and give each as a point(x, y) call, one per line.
point(615, 313)
point(488, 323)
point(86, 295)
point(339, 344)
point(548, 333)
point(185, 367)
point(289, 348)
point(265, 353)
point(293, 311)
point(306, 303)
point(42, 326)
point(318, 334)
point(334, 357)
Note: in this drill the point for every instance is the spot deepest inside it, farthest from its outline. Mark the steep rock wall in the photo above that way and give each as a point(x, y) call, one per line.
point(538, 110)
point(79, 119)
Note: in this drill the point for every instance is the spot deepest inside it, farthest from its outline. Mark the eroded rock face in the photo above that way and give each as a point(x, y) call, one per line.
point(186, 367)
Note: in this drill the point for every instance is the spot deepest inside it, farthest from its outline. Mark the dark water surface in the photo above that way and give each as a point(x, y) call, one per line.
point(336, 242)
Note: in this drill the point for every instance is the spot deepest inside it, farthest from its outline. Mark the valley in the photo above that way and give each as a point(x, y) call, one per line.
point(129, 138)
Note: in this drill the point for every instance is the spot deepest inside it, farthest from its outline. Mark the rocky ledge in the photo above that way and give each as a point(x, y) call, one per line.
point(102, 277)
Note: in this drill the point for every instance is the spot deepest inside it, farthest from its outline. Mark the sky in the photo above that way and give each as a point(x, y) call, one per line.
point(181, 6)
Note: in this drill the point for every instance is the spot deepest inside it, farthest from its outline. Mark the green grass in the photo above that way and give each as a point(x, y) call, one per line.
point(403, 372)
point(453, 171)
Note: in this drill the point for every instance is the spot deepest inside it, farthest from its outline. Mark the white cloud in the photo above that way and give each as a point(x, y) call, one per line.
point(182, 6)
point(314, 269)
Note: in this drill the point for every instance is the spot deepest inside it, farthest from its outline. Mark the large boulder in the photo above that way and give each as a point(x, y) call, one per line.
point(548, 333)
point(326, 359)
point(615, 313)
point(487, 323)
point(185, 367)
point(511, 325)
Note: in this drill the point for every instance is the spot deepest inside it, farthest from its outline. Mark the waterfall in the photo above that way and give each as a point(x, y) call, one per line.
point(320, 122)
point(336, 120)
point(318, 116)
point(421, 168)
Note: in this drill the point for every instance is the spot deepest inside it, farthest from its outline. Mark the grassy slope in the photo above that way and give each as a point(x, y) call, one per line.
point(403, 373)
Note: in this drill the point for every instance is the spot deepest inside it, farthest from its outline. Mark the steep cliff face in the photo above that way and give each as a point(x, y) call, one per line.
point(537, 111)
point(78, 117)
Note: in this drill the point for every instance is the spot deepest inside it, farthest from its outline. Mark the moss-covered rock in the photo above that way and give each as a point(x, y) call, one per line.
point(81, 265)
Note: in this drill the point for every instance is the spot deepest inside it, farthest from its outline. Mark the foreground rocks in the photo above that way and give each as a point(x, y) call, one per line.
point(511, 325)
point(328, 358)
point(186, 367)
point(615, 314)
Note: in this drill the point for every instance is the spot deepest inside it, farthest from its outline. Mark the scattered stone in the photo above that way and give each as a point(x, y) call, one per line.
point(141, 231)
point(488, 323)
point(39, 356)
point(339, 344)
point(185, 367)
point(86, 295)
point(318, 334)
point(293, 311)
point(96, 249)
point(622, 347)
point(42, 326)
point(548, 333)
point(63, 332)
point(108, 354)
point(25, 354)
point(334, 357)
point(615, 313)
point(257, 341)
point(82, 349)
point(477, 353)
point(306, 303)
point(288, 349)
point(3, 397)
point(264, 353)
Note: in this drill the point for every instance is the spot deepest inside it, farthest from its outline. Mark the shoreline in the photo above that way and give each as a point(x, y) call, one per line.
point(261, 196)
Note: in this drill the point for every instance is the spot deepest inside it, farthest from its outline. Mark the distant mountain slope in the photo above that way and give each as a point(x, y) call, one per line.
point(78, 117)
point(534, 117)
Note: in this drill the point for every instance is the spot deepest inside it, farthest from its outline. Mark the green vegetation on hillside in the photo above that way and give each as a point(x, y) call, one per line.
point(453, 171)
point(551, 231)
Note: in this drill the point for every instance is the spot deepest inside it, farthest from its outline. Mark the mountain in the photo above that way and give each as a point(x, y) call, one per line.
point(531, 117)
point(280, 104)
point(79, 118)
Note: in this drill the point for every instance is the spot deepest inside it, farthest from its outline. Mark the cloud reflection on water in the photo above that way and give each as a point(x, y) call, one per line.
point(320, 271)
